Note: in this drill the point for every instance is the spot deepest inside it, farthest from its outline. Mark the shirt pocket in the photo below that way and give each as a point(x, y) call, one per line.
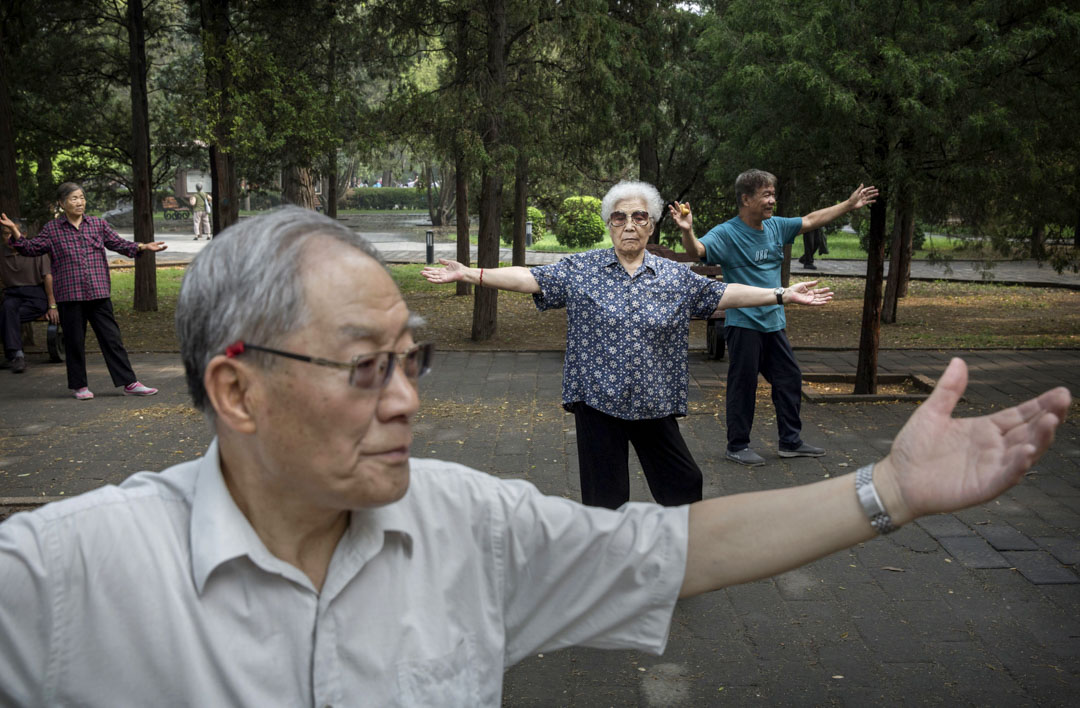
point(447, 680)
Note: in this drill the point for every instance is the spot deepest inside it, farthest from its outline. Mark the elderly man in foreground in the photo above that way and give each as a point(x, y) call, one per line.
point(307, 560)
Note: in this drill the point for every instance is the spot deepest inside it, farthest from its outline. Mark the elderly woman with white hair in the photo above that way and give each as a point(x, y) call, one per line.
point(625, 374)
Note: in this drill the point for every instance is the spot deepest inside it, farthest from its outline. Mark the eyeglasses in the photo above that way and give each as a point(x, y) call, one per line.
point(370, 372)
point(618, 218)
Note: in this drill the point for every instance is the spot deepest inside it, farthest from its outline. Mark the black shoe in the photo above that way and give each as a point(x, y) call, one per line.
point(802, 450)
point(18, 365)
point(746, 457)
point(809, 266)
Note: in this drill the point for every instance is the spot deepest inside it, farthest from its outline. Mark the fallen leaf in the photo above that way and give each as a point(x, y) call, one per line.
point(893, 569)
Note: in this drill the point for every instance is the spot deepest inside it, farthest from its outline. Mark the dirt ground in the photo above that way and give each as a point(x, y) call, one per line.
point(935, 315)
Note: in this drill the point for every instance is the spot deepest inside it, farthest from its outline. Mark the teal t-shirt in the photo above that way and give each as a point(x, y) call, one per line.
point(752, 257)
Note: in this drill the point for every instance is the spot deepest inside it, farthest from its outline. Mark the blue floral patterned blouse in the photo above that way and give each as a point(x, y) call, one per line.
point(627, 335)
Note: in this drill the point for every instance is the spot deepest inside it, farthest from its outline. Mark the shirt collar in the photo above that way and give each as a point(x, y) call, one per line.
point(651, 262)
point(220, 532)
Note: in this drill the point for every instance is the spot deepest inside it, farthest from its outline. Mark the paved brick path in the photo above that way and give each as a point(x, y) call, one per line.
point(974, 608)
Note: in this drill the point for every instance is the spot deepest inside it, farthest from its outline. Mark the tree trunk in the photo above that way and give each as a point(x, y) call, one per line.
point(521, 207)
point(1076, 231)
point(429, 186)
point(46, 188)
point(299, 187)
point(888, 307)
point(331, 192)
point(445, 191)
point(492, 91)
point(142, 203)
point(907, 245)
point(225, 190)
point(9, 177)
point(1038, 241)
point(869, 334)
point(649, 169)
point(387, 175)
point(461, 194)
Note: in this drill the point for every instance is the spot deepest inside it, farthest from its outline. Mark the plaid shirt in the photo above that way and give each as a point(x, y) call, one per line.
point(627, 335)
point(80, 268)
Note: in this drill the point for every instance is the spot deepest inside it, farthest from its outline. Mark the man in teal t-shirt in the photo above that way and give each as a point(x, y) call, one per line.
point(750, 249)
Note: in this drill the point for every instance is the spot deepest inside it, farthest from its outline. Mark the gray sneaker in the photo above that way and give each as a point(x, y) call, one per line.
point(803, 450)
point(746, 457)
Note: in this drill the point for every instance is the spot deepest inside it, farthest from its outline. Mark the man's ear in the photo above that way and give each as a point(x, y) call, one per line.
point(229, 386)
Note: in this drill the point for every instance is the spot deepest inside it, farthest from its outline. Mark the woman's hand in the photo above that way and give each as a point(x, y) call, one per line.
point(452, 273)
point(10, 228)
point(155, 246)
point(681, 215)
point(806, 294)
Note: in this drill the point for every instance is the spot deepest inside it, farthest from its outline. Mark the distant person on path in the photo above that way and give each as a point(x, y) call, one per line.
point(200, 212)
point(625, 376)
point(750, 249)
point(307, 560)
point(76, 242)
point(813, 241)
point(28, 294)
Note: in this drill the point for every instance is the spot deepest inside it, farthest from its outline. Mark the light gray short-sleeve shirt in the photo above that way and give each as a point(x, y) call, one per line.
point(159, 592)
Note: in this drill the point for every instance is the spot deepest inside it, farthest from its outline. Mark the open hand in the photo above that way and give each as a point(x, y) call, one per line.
point(10, 228)
point(684, 221)
point(155, 246)
point(862, 196)
point(452, 273)
point(805, 293)
point(939, 463)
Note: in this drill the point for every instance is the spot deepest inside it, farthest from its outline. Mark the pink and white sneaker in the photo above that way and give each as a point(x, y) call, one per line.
point(137, 389)
point(83, 394)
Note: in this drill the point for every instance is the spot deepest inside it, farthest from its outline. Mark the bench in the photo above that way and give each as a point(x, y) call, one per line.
point(54, 339)
point(174, 210)
point(714, 325)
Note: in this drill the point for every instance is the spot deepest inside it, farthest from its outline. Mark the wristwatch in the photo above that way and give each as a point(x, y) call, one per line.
point(779, 293)
point(871, 502)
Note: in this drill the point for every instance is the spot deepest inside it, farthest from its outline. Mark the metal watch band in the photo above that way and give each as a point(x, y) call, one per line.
point(871, 502)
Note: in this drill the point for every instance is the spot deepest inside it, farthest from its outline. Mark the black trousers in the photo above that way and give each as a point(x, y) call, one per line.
point(23, 303)
point(99, 313)
point(813, 241)
point(750, 353)
point(603, 459)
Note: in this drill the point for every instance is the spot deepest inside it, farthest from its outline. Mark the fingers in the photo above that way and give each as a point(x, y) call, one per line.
point(949, 388)
point(1055, 401)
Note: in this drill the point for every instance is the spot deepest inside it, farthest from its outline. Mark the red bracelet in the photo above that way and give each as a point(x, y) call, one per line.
point(481, 276)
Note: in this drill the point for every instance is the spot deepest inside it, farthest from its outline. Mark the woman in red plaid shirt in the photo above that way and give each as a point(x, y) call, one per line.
point(76, 243)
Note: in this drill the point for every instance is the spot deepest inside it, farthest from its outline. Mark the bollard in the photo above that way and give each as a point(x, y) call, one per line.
point(430, 247)
point(528, 234)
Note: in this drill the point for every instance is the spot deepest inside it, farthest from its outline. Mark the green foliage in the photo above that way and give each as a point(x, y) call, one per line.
point(862, 227)
point(385, 198)
point(539, 226)
point(579, 222)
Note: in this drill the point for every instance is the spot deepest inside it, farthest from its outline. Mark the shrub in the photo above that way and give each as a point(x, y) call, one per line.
point(539, 226)
point(411, 198)
point(579, 223)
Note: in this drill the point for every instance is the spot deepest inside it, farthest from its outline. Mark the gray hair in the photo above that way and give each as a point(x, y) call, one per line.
point(198, 186)
point(632, 190)
point(748, 183)
point(67, 189)
point(246, 285)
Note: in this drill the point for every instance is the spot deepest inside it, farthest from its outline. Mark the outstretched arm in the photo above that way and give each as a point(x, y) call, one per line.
point(514, 278)
point(937, 464)
point(737, 295)
point(684, 219)
point(861, 197)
